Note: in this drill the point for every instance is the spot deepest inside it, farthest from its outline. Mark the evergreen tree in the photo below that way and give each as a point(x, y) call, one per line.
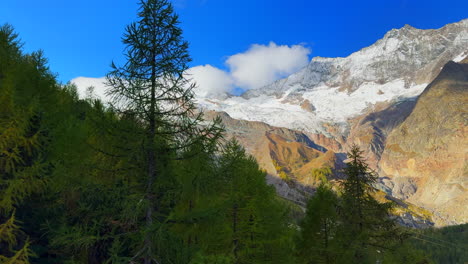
point(367, 228)
point(53, 200)
point(197, 199)
point(316, 243)
point(227, 213)
point(16, 251)
point(443, 245)
point(152, 87)
point(22, 165)
point(255, 223)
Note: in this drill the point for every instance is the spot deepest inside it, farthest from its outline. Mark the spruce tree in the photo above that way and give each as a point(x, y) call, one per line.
point(316, 243)
point(152, 87)
point(227, 213)
point(255, 223)
point(367, 227)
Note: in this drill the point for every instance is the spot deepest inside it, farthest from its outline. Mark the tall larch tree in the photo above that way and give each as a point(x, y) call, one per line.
point(153, 88)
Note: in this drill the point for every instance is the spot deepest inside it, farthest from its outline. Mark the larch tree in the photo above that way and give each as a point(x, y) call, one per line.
point(152, 86)
point(22, 166)
point(367, 226)
point(255, 223)
point(316, 242)
point(320, 175)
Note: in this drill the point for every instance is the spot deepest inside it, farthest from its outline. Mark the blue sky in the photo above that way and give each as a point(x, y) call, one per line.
point(81, 38)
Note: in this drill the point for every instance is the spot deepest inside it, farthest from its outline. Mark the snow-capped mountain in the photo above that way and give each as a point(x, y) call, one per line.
point(332, 90)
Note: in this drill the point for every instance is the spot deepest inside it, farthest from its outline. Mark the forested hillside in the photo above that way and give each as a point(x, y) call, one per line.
point(443, 245)
point(145, 179)
point(73, 185)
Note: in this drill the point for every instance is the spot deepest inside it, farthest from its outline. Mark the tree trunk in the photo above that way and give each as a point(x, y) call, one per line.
point(235, 241)
point(327, 259)
point(151, 164)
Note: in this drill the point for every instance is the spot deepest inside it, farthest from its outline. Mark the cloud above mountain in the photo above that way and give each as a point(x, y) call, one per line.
point(256, 67)
point(210, 80)
point(264, 64)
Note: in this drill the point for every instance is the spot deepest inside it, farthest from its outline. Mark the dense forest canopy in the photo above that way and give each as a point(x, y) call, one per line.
point(145, 180)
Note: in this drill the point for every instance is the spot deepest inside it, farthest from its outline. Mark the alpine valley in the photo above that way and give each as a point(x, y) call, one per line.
point(402, 100)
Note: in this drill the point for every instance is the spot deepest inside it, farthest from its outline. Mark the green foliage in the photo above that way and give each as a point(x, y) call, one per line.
point(367, 227)
point(21, 139)
point(405, 253)
point(212, 259)
point(75, 171)
point(352, 227)
point(443, 245)
point(317, 243)
point(23, 169)
point(16, 251)
point(151, 88)
point(20, 256)
point(255, 221)
point(227, 213)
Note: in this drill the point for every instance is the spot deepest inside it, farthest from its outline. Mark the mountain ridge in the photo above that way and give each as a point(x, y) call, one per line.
point(341, 88)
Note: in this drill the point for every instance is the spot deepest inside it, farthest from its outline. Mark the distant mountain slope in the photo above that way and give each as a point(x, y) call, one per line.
point(280, 150)
point(289, 157)
point(425, 157)
point(418, 147)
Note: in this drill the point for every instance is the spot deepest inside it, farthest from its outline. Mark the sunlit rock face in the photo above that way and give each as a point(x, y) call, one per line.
point(425, 156)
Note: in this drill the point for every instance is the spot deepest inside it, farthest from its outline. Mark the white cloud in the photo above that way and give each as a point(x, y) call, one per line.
point(83, 84)
point(263, 64)
point(210, 80)
point(258, 66)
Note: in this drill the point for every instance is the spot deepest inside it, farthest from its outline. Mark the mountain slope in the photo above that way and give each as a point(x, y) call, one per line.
point(281, 151)
point(425, 156)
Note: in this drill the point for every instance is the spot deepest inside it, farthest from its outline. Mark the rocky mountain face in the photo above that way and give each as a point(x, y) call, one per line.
point(425, 157)
point(411, 54)
point(333, 90)
point(395, 99)
point(286, 155)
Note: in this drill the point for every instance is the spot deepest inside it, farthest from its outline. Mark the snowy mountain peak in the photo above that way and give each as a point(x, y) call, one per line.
point(396, 67)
